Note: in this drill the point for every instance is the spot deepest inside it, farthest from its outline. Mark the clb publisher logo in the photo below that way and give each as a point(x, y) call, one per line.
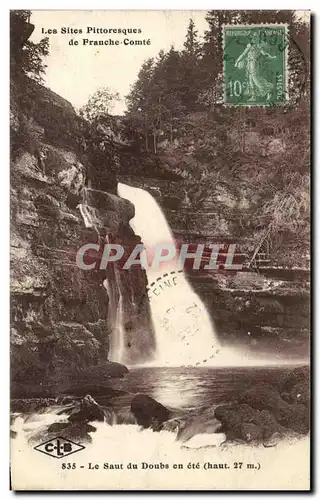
point(59, 447)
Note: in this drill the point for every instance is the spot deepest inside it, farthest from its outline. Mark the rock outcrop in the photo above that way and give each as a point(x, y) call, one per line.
point(149, 412)
point(262, 413)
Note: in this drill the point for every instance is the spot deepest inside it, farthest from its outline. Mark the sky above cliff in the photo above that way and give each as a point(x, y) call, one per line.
point(76, 72)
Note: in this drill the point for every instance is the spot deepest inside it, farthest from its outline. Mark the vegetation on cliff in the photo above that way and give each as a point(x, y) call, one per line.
point(175, 110)
point(177, 127)
point(26, 56)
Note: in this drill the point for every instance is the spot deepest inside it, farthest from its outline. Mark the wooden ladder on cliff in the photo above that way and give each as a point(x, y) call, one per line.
point(261, 254)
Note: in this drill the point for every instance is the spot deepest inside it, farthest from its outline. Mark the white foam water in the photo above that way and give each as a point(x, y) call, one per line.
point(162, 462)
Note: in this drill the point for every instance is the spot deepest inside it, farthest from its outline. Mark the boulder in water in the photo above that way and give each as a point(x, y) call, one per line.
point(300, 394)
point(73, 431)
point(273, 440)
point(78, 432)
point(233, 414)
point(260, 413)
point(240, 421)
point(125, 416)
point(149, 412)
point(197, 424)
point(250, 432)
point(78, 424)
point(267, 397)
point(264, 397)
point(299, 375)
point(171, 425)
point(64, 400)
point(90, 411)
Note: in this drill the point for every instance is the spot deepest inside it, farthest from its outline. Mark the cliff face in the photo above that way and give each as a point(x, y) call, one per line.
point(63, 317)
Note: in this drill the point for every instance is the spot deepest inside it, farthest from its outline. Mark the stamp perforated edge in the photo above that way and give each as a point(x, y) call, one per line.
point(286, 58)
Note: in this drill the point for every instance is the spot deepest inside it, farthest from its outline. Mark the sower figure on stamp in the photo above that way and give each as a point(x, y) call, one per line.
point(249, 60)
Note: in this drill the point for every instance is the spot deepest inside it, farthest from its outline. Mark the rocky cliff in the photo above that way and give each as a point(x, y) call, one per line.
point(265, 306)
point(63, 317)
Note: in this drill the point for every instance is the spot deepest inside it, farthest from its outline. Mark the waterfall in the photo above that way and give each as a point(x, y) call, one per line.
point(183, 329)
point(116, 348)
point(88, 213)
point(85, 214)
point(115, 319)
point(130, 332)
point(112, 286)
point(181, 332)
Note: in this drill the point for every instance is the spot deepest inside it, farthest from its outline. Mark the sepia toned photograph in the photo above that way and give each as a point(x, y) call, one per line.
point(160, 250)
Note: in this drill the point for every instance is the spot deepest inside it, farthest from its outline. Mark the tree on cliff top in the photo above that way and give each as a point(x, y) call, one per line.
point(100, 130)
point(192, 45)
point(157, 96)
point(26, 56)
point(165, 90)
point(99, 105)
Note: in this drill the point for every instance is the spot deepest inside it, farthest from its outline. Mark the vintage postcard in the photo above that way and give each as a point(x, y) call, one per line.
point(160, 316)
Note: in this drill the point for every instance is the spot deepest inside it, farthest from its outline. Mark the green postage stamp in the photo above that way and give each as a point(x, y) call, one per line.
point(255, 64)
